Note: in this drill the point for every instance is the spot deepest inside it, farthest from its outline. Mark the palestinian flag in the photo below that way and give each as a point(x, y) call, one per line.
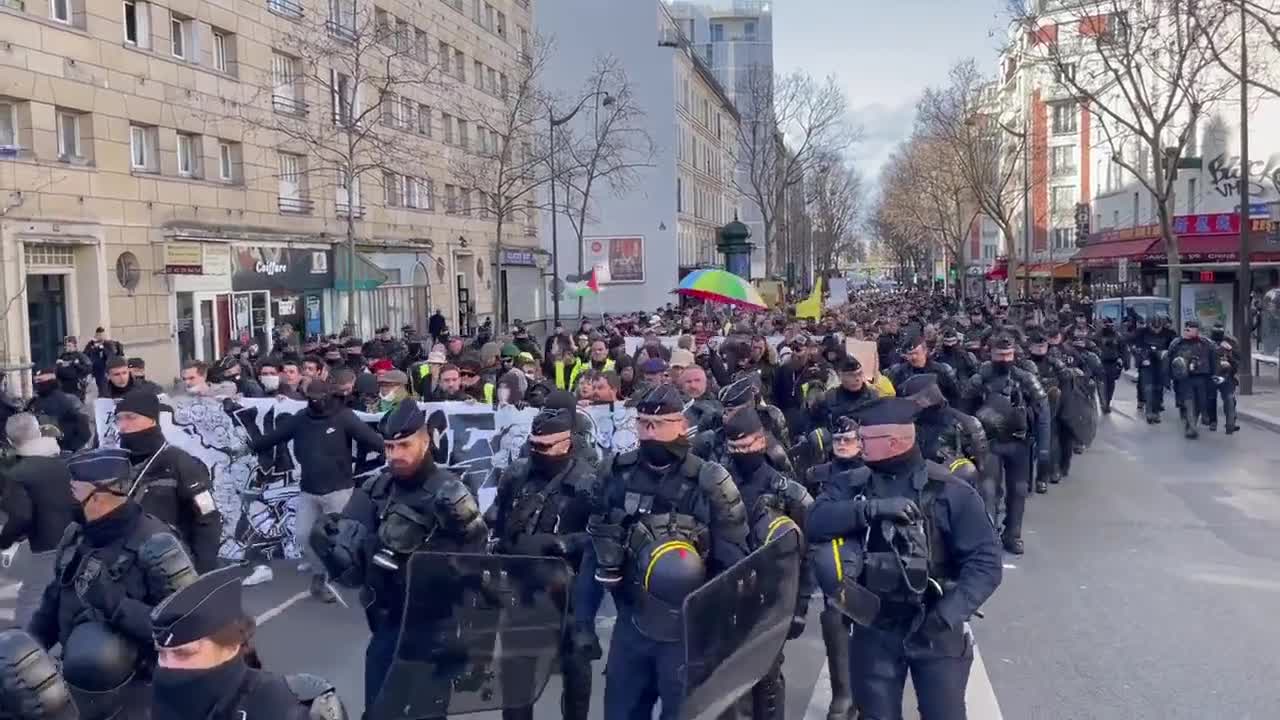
point(584, 285)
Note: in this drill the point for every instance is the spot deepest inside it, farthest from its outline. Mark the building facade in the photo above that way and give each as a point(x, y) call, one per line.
point(667, 223)
point(144, 192)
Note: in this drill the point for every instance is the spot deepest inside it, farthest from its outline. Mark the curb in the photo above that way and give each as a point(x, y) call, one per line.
point(1253, 417)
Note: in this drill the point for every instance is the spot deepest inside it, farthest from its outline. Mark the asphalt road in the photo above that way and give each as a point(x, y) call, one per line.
point(1148, 590)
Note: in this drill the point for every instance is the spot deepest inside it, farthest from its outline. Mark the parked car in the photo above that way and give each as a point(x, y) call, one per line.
point(1144, 305)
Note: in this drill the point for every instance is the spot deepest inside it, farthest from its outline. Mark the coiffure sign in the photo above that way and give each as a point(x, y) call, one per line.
point(257, 268)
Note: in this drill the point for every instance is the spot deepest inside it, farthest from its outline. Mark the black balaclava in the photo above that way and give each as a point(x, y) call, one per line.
point(663, 400)
point(183, 693)
point(551, 421)
point(745, 423)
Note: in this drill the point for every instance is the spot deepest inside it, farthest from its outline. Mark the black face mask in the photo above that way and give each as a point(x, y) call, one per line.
point(44, 387)
point(548, 465)
point(660, 454)
point(1002, 366)
point(194, 693)
point(1217, 336)
point(748, 463)
point(143, 443)
point(323, 406)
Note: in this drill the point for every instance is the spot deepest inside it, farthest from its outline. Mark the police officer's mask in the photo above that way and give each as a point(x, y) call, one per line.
point(551, 440)
point(1218, 334)
point(1039, 349)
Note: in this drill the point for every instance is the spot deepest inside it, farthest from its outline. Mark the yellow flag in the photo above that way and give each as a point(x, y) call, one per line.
point(811, 308)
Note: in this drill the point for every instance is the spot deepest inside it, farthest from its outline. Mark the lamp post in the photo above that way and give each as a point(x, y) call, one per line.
point(553, 123)
point(1244, 273)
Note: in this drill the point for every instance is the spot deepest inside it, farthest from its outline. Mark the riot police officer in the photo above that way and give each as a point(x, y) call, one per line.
point(853, 392)
point(109, 572)
point(952, 354)
point(1193, 360)
point(33, 687)
point(922, 544)
point(952, 438)
point(663, 522)
point(413, 506)
point(1011, 399)
point(541, 509)
point(1226, 367)
point(916, 361)
point(773, 503)
point(207, 666)
point(1115, 360)
point(170, 483)
point(740, 396)
point(53, 406)
point(1053, 375)
point(1150, 347)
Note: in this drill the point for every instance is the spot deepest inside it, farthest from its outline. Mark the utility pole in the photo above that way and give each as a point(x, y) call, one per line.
point(1244, 275)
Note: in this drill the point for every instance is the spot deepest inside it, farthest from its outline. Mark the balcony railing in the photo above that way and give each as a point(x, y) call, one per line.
point(296, 206)
point(288, 105)
point(344, 210)
point(285, 8)
point(342, 31)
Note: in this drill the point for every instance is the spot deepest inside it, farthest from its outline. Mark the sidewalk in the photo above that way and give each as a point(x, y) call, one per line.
point(1261, 408)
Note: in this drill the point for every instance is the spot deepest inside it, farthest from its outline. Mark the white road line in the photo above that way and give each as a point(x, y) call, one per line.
point(10, 592)
point(979, 697)
point(277, 610)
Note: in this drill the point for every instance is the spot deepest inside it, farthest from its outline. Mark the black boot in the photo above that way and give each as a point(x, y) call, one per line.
point(575, 697)
point(769, 697)
point(1042, 487)
point(1013, 545)
point(835, 636)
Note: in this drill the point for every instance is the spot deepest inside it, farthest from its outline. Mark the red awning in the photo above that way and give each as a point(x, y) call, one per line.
point(1223, 247)
point(1000, 271)
point(1098, 253)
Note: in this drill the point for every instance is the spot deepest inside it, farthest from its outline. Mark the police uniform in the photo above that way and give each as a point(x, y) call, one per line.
point(1151, 346)
point(663, 522)
point(839, 402)
point(1013, 405)
point(109, 573)
point(542, 508)
point(1054, 375)
point(387, 520)
point(172, 484)
point(233, 690)
point(774, 504)
point(1193, 362)
point(740, 396)
point(921, 543)
point(953, 439)
point(1115, 360)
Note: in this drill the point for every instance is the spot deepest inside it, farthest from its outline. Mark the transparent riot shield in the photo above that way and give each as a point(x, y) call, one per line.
point(735, 626)
point(479, 633)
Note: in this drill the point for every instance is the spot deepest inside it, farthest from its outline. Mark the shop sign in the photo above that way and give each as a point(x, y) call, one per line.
point(256, 268)
point(518, 256)
point(621, 258)
point(183, 258)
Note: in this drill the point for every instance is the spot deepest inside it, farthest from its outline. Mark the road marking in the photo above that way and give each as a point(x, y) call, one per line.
point(979, 697)
point(279, 609)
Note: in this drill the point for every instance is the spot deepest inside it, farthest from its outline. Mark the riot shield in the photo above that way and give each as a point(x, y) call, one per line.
point(1078, 411)
point(479, 633)
point(735, 626)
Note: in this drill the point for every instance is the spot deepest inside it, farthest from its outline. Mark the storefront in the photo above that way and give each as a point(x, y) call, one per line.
point(522, 283)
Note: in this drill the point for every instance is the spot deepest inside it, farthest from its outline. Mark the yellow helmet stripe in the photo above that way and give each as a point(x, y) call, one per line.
point(663, 549)
point(957, 464)
point(777, 523)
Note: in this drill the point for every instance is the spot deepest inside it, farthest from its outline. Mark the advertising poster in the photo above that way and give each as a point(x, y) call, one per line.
point(621, 257)
point(1209, 303)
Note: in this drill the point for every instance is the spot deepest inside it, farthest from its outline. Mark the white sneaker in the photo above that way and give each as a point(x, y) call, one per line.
point(261, 574)
point(304, 567)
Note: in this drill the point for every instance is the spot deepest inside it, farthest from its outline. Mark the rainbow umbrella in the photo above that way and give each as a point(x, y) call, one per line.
point(723, 287)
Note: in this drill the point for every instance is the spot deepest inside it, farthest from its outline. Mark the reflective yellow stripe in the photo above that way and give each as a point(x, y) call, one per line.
point(488, 393)
point(818, 435)
point(804, 391)
point(560, 375)
point(424, 370)
point(835, 555)
point(959, 464)
point(663, 549)
point(773, 526)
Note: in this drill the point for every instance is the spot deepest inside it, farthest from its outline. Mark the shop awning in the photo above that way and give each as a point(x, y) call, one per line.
point(367, 275)
point(1207, 247)
point(1057, 271)
point(1101, 253)
point(1000, 271)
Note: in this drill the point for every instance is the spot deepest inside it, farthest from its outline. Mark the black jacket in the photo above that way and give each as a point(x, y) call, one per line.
point(322, 446)
point(36, 495)
point(115, 393)
point(67, 412)
point(176, 489)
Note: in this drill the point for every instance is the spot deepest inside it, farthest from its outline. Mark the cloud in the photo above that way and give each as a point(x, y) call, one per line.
point(883, 126)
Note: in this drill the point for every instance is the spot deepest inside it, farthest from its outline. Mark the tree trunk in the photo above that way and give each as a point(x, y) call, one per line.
point(499, 322)
point(1009, 250)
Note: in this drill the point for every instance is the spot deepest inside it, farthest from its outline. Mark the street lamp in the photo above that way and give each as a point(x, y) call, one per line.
point(553, 123)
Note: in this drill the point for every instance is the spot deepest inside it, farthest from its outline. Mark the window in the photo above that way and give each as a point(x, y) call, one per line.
point(502, 83)
point(290, 182)
point(1191, 192)
point(1062, 201)
point(749, 31)
point(478, 72)
point(68, 134)
point(413, 193)
point(392, 189)
point(286, 93)
point(1065, 116)
point(340, 88)
point(502, 24)
point(1064, 238)
point(460, 65)
point(463, 140)
point(445, 55)
point(679, 194)
point(1062, 160)
point(179, 35)
point(446, 122)
point(8, 123)
point(717, 32)
point(221, 50)
point(422, 46)
point(450, 199)
point(1065, 73)
point(137, 23)
point(60, 10)
point(188, 155)
point(142, 147)
point(226, 161)
point(493, 81)
point(475, 11)
point(1137, 205)
point(342, 17)
point(390, 106)
point(408, 114)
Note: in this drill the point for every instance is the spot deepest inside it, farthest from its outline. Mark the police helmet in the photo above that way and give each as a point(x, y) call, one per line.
point(34, 688)
point(1178, 368)
point(964, 469)
point(672, 570)
point(97, 660)
point(770, 526)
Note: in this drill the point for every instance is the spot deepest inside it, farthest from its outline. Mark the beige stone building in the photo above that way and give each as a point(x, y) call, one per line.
point(143, 188)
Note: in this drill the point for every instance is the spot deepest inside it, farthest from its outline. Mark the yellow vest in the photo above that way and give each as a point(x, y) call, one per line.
point(884, 386)
point(560, 379)
point(488, 393)
point(583, 367)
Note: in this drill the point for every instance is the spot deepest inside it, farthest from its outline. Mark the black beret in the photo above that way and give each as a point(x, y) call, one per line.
point(552, 421)
point(742, 424)
point(402, 421)
point(661, 400)
point(137, 362)
point(105, 467)
point(115, 361)
point(1002, 342)
point(911, 341)
point(742, 390)
point(889, 411)
point(200, 609)
point(845, 425)
point(140, 402)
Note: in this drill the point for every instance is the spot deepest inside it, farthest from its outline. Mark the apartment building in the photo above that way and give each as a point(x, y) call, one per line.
point(167, 171)
point(667, 223)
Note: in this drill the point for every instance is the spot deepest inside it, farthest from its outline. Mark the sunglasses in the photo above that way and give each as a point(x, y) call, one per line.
point(467, 373)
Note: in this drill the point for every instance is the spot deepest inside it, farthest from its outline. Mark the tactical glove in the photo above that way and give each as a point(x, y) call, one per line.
point(901, 510)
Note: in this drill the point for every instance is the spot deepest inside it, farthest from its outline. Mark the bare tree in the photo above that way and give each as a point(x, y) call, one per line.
point(835, 205)
point(1143, 71)
point(789, 123)
point(604, 147)
point(345, 103)
point(1224, 23)
point(964, 131)
point(923, 187)
point(501, 168)
point(906, 245)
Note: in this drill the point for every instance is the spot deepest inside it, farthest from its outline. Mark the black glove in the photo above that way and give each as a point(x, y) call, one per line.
point(103, 595)
point(934, 624)
point(900, 510)
point(586, 645)
point(797, 627)
point(324, 534)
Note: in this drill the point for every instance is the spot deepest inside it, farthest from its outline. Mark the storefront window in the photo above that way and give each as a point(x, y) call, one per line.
point(186, 327)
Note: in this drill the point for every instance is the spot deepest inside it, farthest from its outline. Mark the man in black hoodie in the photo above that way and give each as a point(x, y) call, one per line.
point(321, 436)
point(54, 406)
point(36, 497)
point(120, 380)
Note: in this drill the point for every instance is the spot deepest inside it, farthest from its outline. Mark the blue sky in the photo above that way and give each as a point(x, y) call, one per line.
point(884, 53)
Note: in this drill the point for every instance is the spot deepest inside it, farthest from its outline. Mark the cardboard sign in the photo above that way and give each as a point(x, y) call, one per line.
point(866, 353)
